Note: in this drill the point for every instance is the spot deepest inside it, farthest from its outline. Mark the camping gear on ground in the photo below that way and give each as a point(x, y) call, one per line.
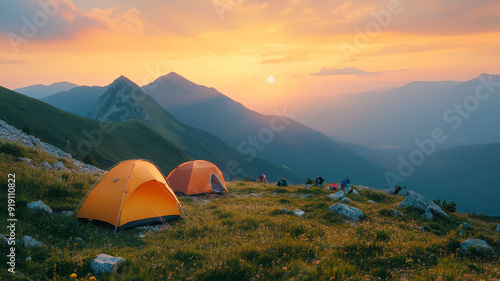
point(130, 194)
point(344, 183)
point(333, 186)
point(319, 181)
point(197, 177)
point(282, 182)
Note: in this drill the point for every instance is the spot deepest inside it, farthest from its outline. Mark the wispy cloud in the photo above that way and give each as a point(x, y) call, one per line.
point(341, 71)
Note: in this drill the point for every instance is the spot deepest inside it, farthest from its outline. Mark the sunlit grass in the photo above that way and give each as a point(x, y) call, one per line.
point(244, 237)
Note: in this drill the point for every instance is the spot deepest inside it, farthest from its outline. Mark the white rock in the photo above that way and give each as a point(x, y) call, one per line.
point(4, 239)
point(28, 258)
point(355, 192)
point(105, 264)
point(351, 213)
point(67, 213)
point(59, 166)
point(308, 186)
point(474, 244)
point(286, 211)
point(498, 228)
point(26, 161)
point(465, 225)
point(337, 196)
point(28, 241)
point(416, 200)
point(361, 187)
point(345, 200)
point(371, 202)
point(396, 213)
point(45, 165)
point(299, 213)
point(306, 196)
point(39, 205)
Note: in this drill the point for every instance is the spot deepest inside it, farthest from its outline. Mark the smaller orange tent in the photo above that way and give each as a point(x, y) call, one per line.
point(130, 194)
point(197, 177)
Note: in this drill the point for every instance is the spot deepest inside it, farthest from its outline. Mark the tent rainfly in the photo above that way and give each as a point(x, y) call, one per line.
point(130, 194)
point(197, 177)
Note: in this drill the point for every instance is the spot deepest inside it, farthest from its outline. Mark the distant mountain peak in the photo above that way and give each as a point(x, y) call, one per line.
point(122, 79)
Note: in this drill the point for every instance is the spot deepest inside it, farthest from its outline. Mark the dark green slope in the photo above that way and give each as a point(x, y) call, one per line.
point(468, 175)
point(128, 140)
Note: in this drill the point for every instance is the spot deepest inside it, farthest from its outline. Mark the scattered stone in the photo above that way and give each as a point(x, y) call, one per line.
point(78, 240)
point(461, 232)
point(12, 134)
point(299, 213)
point(351, 213)
point(59, 166)
point(286, 211)
point(337, 196)
point(308, 186)
point(345, 200)
point(39, 205)
point(422, 229)
point(67, 213)
point(29, 242)
point(46, 166)
point(361, 187)
point(105, 264)
point(390, 191)
point(477, 244)
point(256, 194)
point(355, 192)
point(396, 213)
point(28, 258)
point(497, 229)
point(4, 239)
point(26, 161)
point(465, 225)
point(371, 202)
point(416, 200)
point(306, 196)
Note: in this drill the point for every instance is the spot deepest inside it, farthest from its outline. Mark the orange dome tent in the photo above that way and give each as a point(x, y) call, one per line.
point(197, 177)
point(130, 194)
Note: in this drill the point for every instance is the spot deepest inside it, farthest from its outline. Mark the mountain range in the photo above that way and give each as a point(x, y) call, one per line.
point(124, 100)
point(40, 91)
point(205, 124)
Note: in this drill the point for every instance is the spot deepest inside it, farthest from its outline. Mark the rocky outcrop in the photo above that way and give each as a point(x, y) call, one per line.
point(39, 205)
point(105, 264)
point(337, 196)
point(475, 244)
point(29, 242)
point(12, 134)
point(350, 213)
point(418, 201)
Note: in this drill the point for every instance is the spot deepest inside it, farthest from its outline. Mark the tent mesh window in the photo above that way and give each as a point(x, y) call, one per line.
point(216, 184)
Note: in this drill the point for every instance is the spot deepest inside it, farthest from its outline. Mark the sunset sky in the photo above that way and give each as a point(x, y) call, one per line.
point(261, 53)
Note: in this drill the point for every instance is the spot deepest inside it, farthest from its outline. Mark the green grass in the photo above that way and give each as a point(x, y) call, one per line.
point(243, 237)
point(128, 140)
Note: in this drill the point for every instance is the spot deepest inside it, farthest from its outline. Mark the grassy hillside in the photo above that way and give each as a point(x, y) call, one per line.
point(127, 140)
point(245, 237)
